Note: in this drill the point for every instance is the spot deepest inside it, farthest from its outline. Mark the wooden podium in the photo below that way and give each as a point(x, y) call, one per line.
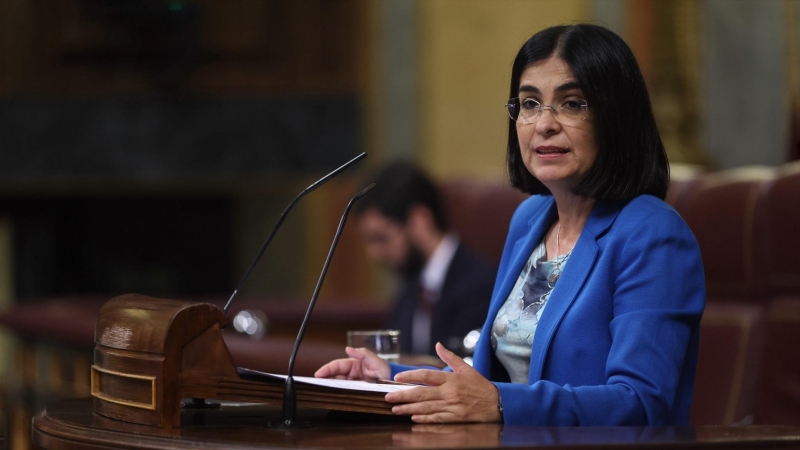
point(151, 353)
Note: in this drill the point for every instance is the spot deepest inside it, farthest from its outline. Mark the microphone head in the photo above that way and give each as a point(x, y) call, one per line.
point(364, 191)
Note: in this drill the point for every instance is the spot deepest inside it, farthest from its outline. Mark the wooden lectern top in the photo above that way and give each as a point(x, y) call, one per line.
point(154, 325)
point(151, 353)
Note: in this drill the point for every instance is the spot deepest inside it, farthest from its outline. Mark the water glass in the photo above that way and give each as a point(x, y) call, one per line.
point(384, 343)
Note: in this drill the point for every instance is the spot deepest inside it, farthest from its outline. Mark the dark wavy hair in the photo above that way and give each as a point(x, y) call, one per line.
point(630, 160)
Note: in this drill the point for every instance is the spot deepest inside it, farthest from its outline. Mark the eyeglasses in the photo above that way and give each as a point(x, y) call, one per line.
point(527, 110)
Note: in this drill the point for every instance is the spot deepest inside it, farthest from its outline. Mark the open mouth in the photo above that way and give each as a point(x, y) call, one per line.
point(554, 151)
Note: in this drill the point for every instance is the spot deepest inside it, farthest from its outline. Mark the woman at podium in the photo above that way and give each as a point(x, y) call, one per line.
point(595, 313)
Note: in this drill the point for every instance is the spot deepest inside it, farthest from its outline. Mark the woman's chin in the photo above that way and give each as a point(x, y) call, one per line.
point(547, 176)
point(558, 182)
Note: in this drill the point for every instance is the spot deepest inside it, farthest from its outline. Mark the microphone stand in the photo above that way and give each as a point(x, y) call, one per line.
point(310, 188)
point(200, 403)
point(289, 393)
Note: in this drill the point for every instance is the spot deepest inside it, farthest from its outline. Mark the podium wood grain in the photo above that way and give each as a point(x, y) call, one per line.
point(71, 425)
point(151, 352)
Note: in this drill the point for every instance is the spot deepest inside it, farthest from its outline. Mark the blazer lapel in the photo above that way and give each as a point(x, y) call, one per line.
point(576, 271)
point(522, 250)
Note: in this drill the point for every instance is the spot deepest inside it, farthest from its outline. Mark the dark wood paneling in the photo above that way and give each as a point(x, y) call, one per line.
point(99, 47)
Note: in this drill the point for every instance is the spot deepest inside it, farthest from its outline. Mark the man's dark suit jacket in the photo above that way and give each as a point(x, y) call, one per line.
point(462, 305)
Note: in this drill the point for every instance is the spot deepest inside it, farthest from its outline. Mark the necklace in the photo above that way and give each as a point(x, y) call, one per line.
point(556, 273)
point(529, 307)
point(558, 239)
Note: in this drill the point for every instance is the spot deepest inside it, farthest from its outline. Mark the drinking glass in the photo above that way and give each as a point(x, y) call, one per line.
point(384, 343)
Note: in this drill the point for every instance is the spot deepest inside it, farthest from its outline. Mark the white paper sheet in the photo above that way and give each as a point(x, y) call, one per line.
point(353, 385)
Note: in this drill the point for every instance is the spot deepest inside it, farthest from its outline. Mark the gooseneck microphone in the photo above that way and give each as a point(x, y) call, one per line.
point(289, 394)
point(313, 186)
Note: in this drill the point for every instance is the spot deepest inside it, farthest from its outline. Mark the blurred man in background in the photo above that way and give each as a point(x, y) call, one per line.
point(446, 288)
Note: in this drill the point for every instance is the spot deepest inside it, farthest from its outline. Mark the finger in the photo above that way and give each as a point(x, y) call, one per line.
point(371, 365)
point(373, 373)
point(451, 359)
point(334, 368)
point(415, 395)
point(357, 353)
point(362, 354)
point(420, 408)
point(325, 371)
point(422, 376)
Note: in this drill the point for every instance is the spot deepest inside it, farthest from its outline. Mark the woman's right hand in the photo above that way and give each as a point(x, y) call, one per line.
point(362, 364)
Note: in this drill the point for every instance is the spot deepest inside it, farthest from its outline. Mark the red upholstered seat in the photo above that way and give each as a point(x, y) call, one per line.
point(683, 180)
point(722, 212)
point(731, 340)
point(778, 399)
point(782, 231)
point(778, 394)
point(480, 212)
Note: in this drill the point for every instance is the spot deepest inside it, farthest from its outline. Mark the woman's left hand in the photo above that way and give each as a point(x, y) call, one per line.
point(462, 395)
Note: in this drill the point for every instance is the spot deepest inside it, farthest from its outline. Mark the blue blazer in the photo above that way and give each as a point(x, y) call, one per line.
point(617, 341)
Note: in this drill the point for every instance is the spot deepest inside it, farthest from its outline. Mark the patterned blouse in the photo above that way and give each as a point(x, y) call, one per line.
point(515, 325)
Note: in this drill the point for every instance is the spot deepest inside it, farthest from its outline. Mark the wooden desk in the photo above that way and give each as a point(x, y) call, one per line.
point(71, 425)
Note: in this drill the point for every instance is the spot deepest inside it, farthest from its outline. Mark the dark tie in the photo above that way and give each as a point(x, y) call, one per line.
point(426, 299)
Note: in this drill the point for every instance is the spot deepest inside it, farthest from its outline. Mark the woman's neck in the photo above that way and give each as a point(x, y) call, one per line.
point(573, 212)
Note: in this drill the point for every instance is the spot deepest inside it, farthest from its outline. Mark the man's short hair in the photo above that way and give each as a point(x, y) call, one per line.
point(398, 187)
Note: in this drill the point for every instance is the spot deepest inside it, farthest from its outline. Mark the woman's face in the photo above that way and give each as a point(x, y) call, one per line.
point(557, 154)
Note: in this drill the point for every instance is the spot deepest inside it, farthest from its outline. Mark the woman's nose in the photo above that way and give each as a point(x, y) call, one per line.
point(547, 123)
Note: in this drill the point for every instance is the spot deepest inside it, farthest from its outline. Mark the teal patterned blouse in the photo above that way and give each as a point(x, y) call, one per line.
point(515, 324)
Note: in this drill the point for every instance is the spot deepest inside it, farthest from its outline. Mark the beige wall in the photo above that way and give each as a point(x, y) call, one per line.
point(466, 50)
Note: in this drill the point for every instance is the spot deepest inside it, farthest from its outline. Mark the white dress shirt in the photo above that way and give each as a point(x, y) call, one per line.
point(432, 279)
